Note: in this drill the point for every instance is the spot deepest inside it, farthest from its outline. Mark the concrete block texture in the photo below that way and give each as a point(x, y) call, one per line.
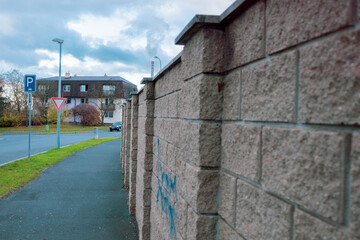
point(135, 100)
point(330, 80)
point(231, 95)
point(259, 215)
point(355, 186)
point(306, 167)
point(291, 22)
point(245, 37)
point(225, 232)
point(147, 124)
point(203, 53)
point(307, 227)
point(168, 130)
point(167, 106)
point(199, 188)
point(241, 150)
point(268, 90)
point(170, 82)
point(201, 99)
point(134, 116)
point(146, 109)
point(145, 160)
point(201, 143)
point(227, 193)
point(200, 227)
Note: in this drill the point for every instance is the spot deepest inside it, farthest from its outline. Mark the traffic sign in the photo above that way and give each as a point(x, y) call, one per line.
point(58, 102)
point(30, 83)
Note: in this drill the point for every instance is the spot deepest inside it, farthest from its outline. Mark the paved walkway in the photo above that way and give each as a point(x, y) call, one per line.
point(79, 198)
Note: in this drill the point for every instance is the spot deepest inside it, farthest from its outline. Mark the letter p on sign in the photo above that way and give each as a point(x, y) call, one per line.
point(30, 83)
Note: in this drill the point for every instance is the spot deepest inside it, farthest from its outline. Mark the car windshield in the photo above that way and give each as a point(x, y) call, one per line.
point(116, 123)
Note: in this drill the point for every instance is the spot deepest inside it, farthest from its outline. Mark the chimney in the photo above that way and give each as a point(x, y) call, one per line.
point(152, 69)
point(67, 75)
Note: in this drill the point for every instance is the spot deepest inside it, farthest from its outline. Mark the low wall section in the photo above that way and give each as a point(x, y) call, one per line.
point(252, 132)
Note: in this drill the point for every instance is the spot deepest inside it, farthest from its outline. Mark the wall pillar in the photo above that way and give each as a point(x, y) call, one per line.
point(127, 143)
point(133, 153)
point(145, 158)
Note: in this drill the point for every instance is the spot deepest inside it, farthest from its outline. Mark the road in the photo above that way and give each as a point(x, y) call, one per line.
point(15, 146)
point(79, 198)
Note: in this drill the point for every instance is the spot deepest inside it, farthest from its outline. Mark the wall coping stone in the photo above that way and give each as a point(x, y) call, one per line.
point(214, 21)
point(146, 79)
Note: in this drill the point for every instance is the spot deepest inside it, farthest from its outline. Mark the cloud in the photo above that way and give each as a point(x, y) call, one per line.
point(117, 38)
point(7, 25)
point(97, 30)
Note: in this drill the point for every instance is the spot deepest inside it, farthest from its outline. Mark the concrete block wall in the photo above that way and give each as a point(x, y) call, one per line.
point(252, 132)
point(133, 153)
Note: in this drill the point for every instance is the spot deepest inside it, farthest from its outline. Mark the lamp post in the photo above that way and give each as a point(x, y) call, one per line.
point(159, 61)
point(60, 41)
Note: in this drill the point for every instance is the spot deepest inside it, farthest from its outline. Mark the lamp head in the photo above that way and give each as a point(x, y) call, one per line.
point(58, 40)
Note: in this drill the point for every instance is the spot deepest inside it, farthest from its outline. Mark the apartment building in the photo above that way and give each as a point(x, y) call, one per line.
point(106, 93)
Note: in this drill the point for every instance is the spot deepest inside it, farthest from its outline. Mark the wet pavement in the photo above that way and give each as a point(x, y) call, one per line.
point(79, 198)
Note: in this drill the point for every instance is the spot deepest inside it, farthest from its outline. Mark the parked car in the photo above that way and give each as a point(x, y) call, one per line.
point(115, 126)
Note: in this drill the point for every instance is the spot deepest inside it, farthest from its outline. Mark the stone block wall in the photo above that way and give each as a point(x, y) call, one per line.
point(252, 132)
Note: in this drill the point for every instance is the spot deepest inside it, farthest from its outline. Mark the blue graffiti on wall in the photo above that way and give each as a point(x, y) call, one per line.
point(166, 194)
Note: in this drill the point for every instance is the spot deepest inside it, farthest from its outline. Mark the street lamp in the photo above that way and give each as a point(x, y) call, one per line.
point(60, 41)
point(159, 61)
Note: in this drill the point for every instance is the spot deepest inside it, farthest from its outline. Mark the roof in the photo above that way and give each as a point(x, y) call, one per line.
point(89, 78)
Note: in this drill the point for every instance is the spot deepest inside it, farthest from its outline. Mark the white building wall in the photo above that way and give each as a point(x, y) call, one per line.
point(117, 113)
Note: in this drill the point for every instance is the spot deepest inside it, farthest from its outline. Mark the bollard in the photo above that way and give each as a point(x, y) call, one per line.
point(96, 133)
point(47, 128)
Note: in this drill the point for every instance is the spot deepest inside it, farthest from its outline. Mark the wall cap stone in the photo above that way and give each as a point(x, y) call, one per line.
point(146, 79)
point(196, 23)
point(215, 21)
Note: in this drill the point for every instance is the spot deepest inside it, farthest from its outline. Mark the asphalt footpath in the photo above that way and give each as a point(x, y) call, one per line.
point(79, 198)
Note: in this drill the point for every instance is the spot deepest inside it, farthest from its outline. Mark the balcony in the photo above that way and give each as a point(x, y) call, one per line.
point(108, 107)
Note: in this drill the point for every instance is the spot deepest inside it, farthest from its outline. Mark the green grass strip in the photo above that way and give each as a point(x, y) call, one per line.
point(52, 128)
point(17, 174)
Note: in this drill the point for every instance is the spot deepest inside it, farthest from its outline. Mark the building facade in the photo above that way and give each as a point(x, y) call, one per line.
point(106, 93)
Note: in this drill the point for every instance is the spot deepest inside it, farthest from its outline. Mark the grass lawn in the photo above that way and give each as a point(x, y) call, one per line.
point(52, 128)
point(17, 174)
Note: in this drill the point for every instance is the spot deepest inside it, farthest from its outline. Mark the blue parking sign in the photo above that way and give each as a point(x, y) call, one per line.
point(30, 83)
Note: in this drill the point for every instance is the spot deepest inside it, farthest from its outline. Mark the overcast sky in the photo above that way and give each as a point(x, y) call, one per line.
point(115, 37)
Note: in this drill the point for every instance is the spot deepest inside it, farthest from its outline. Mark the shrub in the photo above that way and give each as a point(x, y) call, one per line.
point(10, 120)
point(37, 120)
point(52, 113)
point(88, 114)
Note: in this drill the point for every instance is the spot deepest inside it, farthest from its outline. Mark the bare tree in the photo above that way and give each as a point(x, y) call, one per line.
point(45, 91)
point(14, 89)
point(3, 101)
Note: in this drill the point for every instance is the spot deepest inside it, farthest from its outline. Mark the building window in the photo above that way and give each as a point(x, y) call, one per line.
point(109, 114)
point(109, 101)
point(108, 90)
point(84, 100)
point(66, 88)
point(43, 88)
point(68, 100)
point(83, 88)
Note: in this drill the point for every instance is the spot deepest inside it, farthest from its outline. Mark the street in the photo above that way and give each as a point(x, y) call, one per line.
point(13, 147)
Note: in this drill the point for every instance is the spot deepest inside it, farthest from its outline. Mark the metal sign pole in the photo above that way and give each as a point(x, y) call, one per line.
point(29, 103)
